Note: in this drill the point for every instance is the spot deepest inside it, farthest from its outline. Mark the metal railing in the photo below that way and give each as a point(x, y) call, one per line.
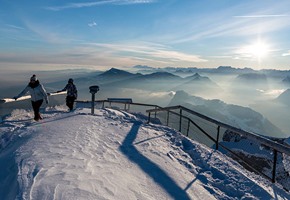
point(210, 132)
point(216, 134)
point(137, 107)
point(7, 105)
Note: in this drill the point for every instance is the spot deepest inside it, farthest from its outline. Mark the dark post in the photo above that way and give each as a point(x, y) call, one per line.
point(167, 121)
point(149, 115)
point(180, 120)
point(274, 166)
point(93, 90)
point(188, 128)
point(217, 138)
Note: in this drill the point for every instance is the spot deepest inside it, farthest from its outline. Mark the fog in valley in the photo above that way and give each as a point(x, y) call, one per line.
point(248, 99)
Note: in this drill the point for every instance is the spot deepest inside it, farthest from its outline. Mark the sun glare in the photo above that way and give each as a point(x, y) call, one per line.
point(257, 50)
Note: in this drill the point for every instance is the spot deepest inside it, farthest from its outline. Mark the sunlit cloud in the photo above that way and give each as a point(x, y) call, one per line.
point(286, 54)
point(232, 28)
point(98, 3)
point(227, 23)
point(272, 93)
point(93, 54)
point(92, 24)
point(15, 27)
point(260, 16)
point(151, 51)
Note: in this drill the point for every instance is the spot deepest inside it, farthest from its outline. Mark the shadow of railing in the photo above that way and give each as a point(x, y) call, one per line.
point(150, 168)
point(209, 131)
point(212, 133)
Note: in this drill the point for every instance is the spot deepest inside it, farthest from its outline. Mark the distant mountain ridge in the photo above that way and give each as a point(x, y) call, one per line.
point(237, 116)
point(218, 70)
point(160, 80)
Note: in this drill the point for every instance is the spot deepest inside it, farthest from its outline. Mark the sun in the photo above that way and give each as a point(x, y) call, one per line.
point(257, 50)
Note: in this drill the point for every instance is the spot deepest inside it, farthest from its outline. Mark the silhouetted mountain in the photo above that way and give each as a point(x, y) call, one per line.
point(154, 81)
point(237, 116)
point(253, 77)
point(232, 70)
point(115, 75)
point(197, 84)
point(197, 77)
point(113, 72)
point(160, 76)
point(252, 81)
point(286, 81)
point(284, 97)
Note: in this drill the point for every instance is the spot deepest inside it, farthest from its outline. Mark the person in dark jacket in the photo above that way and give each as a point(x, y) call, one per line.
point(37, 93)
point(72, 93)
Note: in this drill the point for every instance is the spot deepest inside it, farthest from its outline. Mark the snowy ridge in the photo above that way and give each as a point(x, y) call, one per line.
point(116, 155)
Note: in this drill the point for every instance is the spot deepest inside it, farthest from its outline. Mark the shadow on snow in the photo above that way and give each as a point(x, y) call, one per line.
point(150, 168)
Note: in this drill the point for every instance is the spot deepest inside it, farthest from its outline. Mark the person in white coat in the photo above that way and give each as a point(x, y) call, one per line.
point(37, 93)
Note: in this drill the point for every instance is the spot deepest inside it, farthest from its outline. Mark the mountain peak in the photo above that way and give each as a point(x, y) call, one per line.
point(116, 72)
point(196, 75)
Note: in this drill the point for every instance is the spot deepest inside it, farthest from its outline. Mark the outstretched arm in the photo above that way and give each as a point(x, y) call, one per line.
point(22, 93)
point(64, 89)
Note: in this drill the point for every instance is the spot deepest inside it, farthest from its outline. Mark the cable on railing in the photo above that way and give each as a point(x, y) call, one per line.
point(277, 147)
point(179, 116)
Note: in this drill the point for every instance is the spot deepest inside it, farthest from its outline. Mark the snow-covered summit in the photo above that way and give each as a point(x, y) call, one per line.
point(115, 155)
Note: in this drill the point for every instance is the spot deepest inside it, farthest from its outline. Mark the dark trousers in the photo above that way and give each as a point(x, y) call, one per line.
point(36, 106)
point(70, 102)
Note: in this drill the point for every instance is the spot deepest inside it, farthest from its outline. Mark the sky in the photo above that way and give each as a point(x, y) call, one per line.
point(115, 155)
point(159, 33)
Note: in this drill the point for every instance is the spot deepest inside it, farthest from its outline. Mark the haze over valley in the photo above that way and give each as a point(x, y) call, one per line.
point(251, 95)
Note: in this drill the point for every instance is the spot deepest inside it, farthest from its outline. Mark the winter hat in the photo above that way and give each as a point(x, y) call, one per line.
point(70, 80)
point(33, 78)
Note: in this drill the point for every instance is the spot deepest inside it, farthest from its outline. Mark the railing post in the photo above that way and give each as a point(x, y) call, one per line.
point(180, 119)
point(149, 114)
point(103, 105)
point(155, 112)
point(188, 128)
point(217, 138)
point(274, 166)
point(167, 120)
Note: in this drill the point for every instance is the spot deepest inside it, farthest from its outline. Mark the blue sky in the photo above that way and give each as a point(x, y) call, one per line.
point(159, 33)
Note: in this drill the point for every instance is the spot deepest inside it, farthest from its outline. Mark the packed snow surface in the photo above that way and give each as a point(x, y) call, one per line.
point(115, 155)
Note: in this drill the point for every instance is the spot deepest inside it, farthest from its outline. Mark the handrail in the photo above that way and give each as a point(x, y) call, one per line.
point(276, 147)
point(7, 105)
point(256, 137)
point(261, 139)
point(121, 102)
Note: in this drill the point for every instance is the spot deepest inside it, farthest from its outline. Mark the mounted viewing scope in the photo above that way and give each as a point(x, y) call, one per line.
point(94, 89)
